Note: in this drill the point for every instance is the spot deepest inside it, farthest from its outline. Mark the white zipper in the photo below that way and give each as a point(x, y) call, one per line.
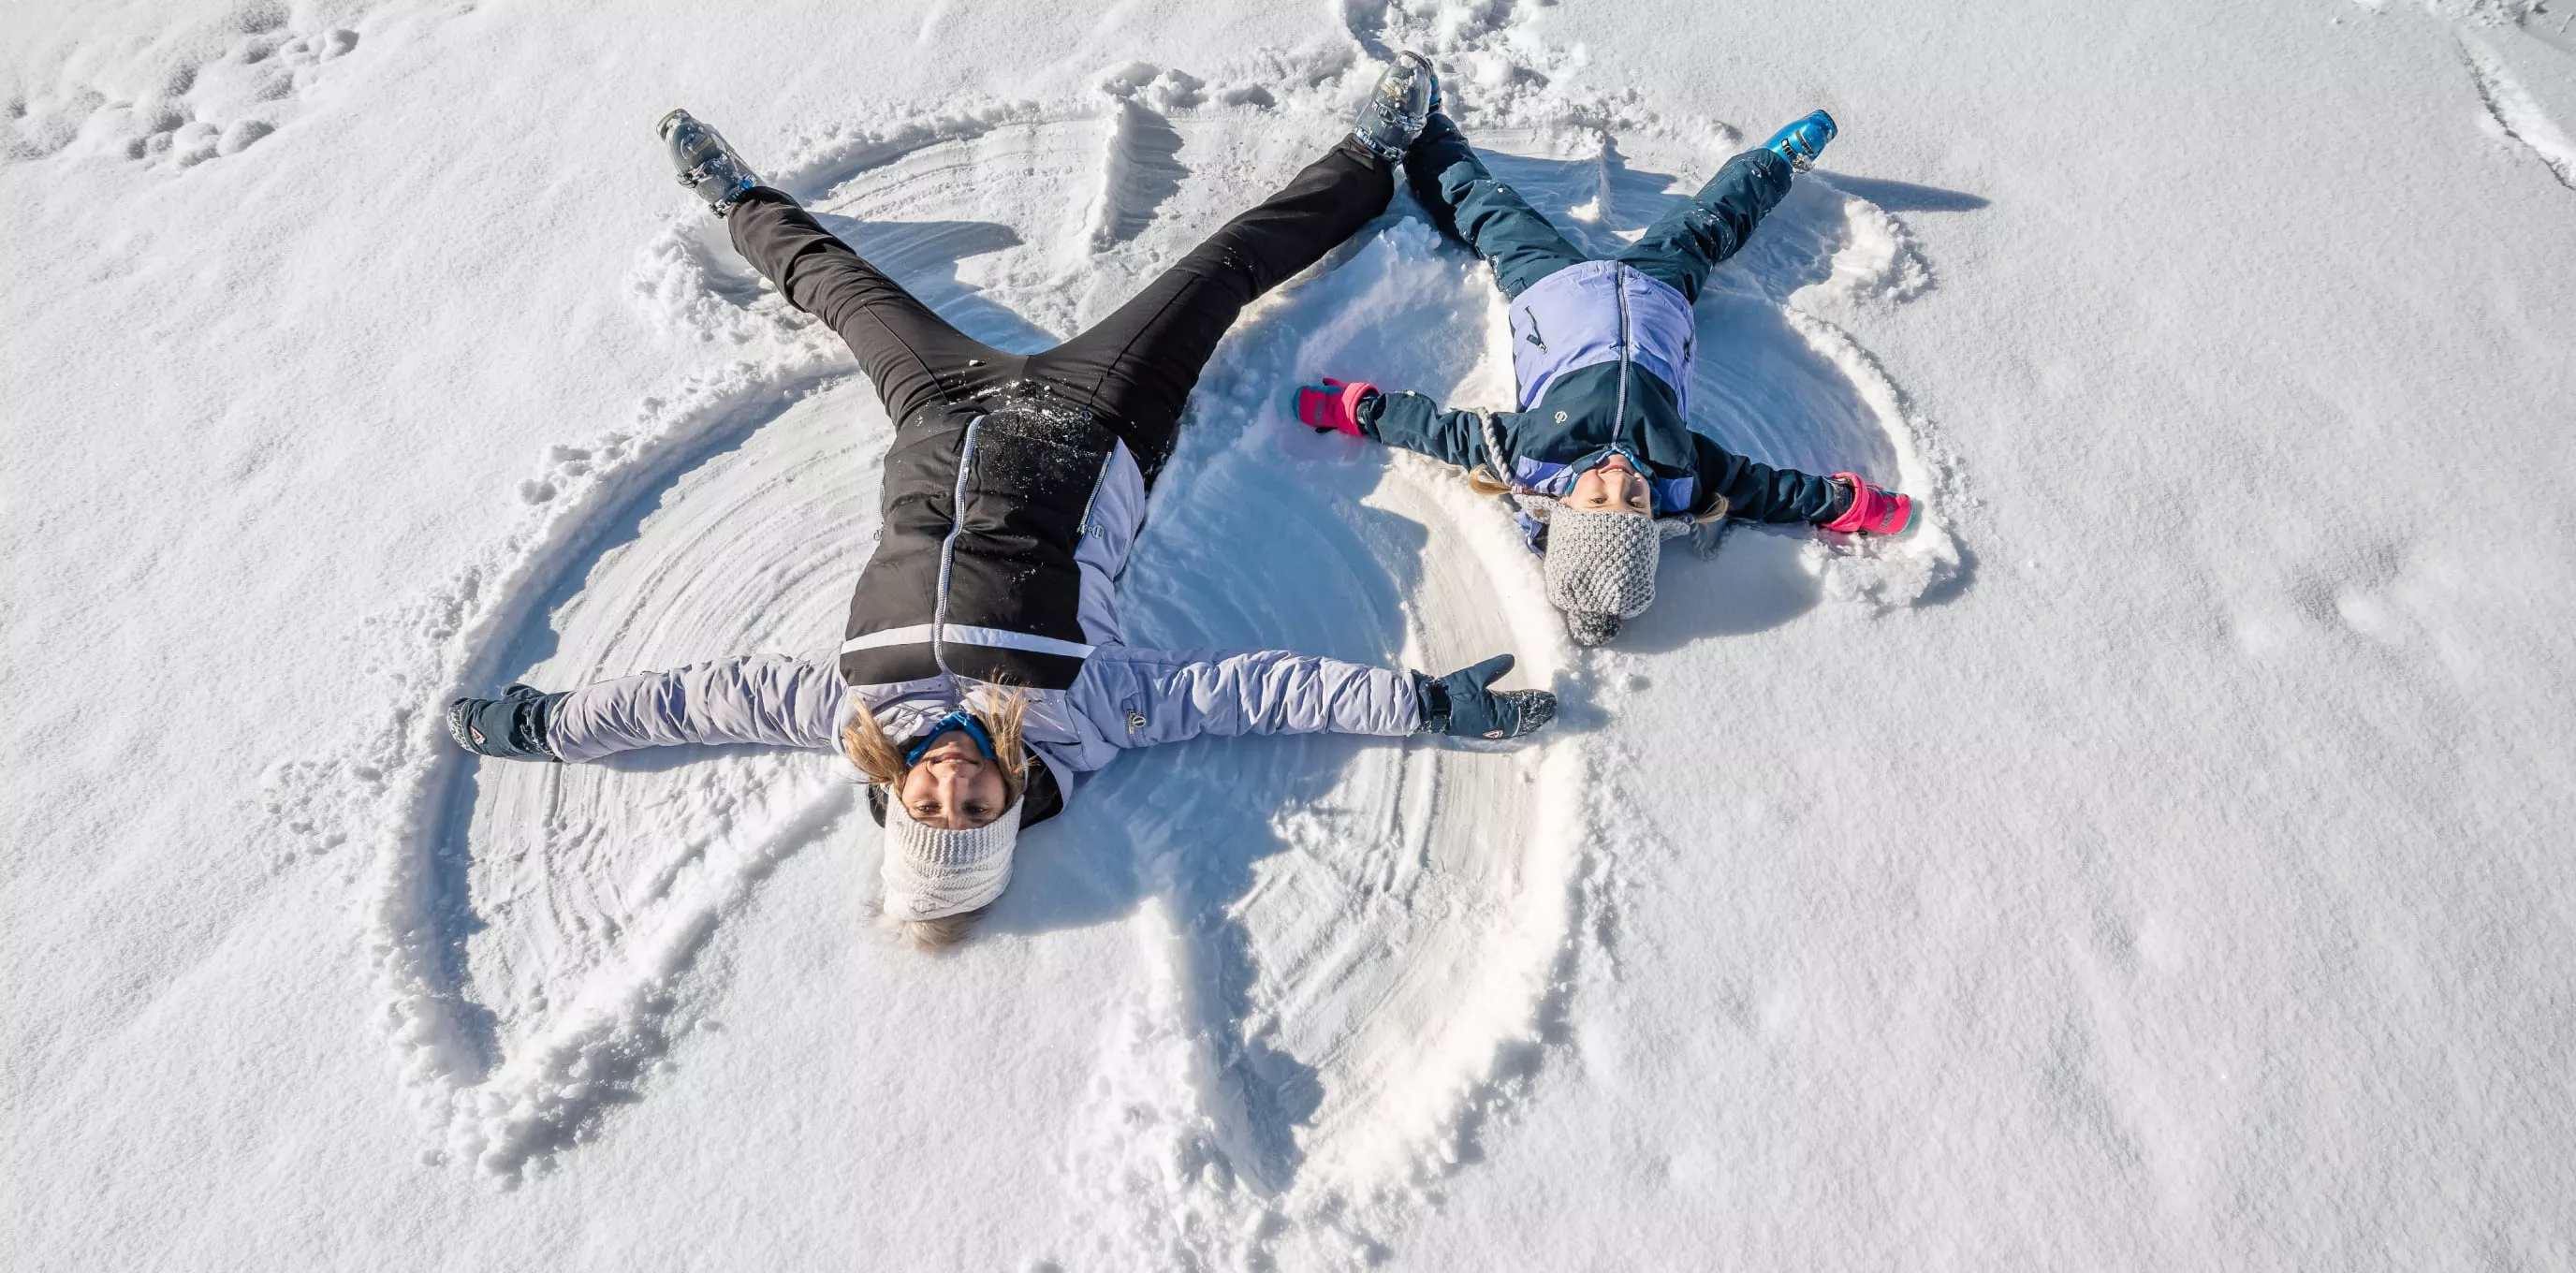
point(1619, 422)
point(1082, 530)
point(948, 546)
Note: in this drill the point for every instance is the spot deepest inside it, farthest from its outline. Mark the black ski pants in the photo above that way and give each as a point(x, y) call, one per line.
point(1133, 369)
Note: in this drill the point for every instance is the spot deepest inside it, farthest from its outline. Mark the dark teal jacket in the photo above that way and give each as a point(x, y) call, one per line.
point(1598, 349)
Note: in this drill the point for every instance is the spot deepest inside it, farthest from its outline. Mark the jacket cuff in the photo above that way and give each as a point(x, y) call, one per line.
point(1431, 703)
point(1365, 412)
point(1839, 497)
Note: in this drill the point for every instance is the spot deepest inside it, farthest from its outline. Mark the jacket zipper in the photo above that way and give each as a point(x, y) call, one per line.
point(1619, 422)
point(1082, 531)
point(948, 547)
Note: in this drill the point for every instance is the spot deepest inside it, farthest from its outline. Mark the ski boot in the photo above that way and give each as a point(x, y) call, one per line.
point(512, 727)
point(1405, 99)
point(706, 163)
point(1801, 142)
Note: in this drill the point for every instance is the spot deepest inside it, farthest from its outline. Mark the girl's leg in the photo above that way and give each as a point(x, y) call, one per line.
point(915, 359)
point(1136, 367)
point(1683, 245)
point(1491, 218)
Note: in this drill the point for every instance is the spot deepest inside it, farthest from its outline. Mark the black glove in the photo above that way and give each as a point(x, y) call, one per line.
point(512, 727)
point(1460, 704)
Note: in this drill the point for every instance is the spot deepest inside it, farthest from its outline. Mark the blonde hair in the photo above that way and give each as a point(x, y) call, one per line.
point(1482, 481)
point(1003, 711)
point(930, 935)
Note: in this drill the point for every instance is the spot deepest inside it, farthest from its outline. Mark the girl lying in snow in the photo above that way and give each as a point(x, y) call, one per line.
point(984, 666)
point(1600, 460)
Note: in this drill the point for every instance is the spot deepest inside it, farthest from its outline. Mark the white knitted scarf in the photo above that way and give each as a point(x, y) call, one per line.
point(932, 872)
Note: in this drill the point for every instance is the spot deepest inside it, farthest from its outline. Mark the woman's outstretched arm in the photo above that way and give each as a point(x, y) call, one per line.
point(768, 699)
point(1140, 698)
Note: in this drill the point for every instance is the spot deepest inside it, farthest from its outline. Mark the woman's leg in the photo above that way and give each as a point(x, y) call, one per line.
point(1489, 217)
point(915, 359)
point(1683, 245)
point(1136, 367)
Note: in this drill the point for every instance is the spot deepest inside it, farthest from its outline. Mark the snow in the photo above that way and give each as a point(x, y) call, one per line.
point(2157, 859)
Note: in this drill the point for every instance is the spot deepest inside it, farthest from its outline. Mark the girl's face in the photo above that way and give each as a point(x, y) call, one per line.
point(954, 786)
point(1613, 485)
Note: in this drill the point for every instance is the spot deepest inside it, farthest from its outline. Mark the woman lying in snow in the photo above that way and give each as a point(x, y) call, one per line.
point(984, 666)
point(1600, 460)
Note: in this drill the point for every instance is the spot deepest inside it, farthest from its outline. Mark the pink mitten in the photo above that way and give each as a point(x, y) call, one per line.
point(1876, 511)
point(1333, 407)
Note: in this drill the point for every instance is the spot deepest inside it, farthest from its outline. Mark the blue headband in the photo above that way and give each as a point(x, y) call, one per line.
point(958, 719)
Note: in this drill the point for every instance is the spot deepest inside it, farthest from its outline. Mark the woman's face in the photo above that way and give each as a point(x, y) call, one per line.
point(954, 786)
point(1613, 485)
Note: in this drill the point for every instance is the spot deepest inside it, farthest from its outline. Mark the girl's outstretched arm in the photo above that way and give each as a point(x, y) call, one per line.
point(1416, 423)
point(1759, 492)
point(1408, 420)
point(769, 699)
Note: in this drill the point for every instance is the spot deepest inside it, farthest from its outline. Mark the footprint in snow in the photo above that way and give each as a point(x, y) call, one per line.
point(218, 88)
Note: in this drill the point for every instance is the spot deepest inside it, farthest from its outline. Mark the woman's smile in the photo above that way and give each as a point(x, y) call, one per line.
point(954, 785)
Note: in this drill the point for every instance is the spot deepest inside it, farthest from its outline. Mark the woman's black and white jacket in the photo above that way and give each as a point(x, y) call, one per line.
point(1006, 527)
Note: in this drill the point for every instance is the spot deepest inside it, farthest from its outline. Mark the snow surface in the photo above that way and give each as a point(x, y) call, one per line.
point(2159, 859)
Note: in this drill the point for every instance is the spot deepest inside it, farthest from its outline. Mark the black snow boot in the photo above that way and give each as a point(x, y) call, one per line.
point(512, 727)
point(1404, 100)
point(706, 163)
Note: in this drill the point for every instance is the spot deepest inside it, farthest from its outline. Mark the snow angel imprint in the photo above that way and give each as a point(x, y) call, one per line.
point(984, 670)
point(1599, 459)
